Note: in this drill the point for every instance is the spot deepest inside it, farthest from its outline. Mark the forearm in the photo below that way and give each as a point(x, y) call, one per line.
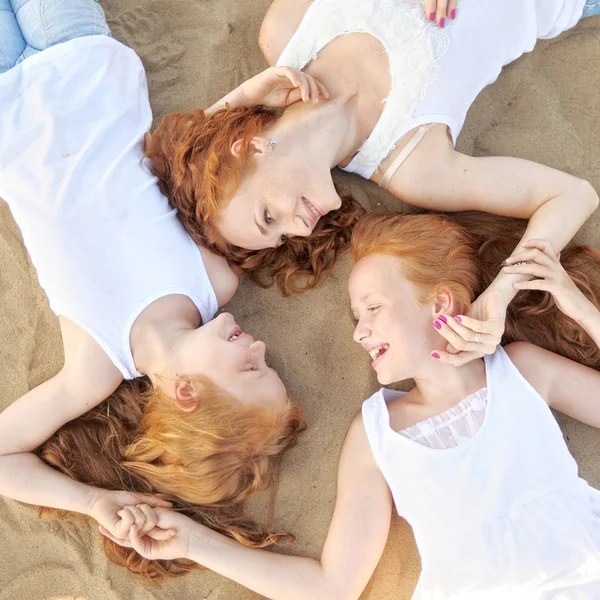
point(24, 477)
point(591, 324)
point(275, 576)
point(556, 220)
point(235, 98)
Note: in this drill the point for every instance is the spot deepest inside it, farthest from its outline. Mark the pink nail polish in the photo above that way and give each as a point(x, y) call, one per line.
point(443, 23)
point(442, 318)
point(435, 355)
point(453, 14)
point(458, 319)
point(432, 17)
point(437, 325)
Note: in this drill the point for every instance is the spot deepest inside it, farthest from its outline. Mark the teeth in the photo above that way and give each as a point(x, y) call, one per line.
point(235, 336)
point(313, 209)
point(375, 352)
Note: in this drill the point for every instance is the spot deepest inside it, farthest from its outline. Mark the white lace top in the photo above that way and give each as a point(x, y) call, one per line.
point(453, 427)
point(436, 73)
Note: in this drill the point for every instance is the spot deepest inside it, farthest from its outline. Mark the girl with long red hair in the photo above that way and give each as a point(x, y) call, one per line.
point(472, 456)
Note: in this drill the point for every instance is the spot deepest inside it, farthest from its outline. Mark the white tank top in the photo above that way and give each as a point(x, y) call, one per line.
point(103, 239)
point(436, 73)
point(502, 515)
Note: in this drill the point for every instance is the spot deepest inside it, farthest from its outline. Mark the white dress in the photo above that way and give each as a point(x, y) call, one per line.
point(104, 240)
point(436, 73)
point(502, 515)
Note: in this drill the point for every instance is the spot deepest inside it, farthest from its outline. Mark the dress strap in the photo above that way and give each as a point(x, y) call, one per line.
point(412, 144)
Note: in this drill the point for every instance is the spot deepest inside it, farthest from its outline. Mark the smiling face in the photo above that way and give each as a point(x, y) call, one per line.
point(391, 326)
point(285, 195)
point(233, 360)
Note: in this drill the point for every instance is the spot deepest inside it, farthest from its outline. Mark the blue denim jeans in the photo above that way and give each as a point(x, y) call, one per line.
point(592, 7)
point(29, 26)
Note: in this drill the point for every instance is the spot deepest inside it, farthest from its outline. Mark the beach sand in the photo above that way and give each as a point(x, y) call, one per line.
point(545, 107)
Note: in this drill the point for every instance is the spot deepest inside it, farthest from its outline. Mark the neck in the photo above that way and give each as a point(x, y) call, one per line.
point(442, 384)
point(159, 331)
point(328, 130)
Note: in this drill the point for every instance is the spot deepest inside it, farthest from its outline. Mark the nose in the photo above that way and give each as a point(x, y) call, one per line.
point(259, 348)
point(361, 332)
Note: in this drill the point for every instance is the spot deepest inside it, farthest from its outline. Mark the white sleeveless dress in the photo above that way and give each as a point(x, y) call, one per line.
point(436, 73)
point(502, 515)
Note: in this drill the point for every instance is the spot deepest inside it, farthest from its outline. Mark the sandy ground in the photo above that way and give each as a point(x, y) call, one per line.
point(545, 107)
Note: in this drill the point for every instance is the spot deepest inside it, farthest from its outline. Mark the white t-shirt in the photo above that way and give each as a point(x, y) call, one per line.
point(436, 73)
point(103, 239)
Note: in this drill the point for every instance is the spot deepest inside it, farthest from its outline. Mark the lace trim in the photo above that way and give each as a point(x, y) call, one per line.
point(452, 427)
point(413, 46)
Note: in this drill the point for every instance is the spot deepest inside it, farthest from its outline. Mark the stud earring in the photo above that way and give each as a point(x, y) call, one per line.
point(272, 142)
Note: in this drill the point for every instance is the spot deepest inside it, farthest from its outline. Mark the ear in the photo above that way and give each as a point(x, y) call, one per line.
point(186, 397)
point(258, 146)
point(444, 303)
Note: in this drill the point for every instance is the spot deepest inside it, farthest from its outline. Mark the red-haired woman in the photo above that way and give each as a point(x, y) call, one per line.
point(195, 410)
point(257, 186)
point(472, 456)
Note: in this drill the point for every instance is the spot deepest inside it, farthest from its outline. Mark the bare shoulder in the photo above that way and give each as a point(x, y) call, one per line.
point(279, 25)
point(224, 281)
point(357, 448)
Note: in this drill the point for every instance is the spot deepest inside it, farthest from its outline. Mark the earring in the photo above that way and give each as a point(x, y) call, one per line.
point(272, 142)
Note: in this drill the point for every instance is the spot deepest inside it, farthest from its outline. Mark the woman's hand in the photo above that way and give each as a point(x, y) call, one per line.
point(440, 11)
point(117, 512)
point(471, 337)
point(167, 539)
point(281, 86)
point(542, 264)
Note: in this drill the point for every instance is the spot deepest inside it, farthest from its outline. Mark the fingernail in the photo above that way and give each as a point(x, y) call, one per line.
point(442, 318)
point(432, 17)
point(435, 355)
point(443, 23)
point(458, 319)
point(453, 14)
point(437, 324)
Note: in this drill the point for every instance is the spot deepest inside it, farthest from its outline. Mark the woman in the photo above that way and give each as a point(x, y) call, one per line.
point(472, 457)
point(134, 295)
point(256, 186)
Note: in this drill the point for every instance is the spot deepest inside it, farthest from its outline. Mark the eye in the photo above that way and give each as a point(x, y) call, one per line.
point(373, 308)
point(251, 368)
point(268, 218)
point(284, 238)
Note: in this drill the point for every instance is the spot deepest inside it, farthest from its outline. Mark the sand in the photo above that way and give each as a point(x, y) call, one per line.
point(545, 107)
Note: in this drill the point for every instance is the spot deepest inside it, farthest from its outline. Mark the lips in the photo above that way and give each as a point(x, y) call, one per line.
point(378, 353)
point(313, 213)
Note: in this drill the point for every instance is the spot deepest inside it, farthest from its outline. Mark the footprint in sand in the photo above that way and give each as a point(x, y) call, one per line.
point(143, 29)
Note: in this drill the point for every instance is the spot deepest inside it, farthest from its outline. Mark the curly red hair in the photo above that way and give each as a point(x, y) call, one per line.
point(190, 153)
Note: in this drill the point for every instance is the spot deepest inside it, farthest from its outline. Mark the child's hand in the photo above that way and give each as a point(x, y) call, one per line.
point(116, 512)
point(550, 276)
point(168, 539)
point(440, 11)
point(282, 86)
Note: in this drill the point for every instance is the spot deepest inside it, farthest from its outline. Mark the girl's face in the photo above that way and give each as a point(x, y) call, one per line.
point(391, 326)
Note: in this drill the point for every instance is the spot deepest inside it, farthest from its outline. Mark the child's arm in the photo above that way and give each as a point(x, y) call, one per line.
point(354, 544)
point(567, 386)
point(87, 378)
point(276, 87)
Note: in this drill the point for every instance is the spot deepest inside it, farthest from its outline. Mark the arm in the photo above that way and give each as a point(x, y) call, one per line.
point(87, 378)
point(438, 178)
point(354, 544)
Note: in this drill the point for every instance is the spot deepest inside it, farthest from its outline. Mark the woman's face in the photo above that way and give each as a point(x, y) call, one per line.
point(285, 195)
point(391, 326)
point(235, 362)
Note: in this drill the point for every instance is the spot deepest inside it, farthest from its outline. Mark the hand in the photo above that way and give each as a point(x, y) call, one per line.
point(544, 265)
point(474, 336)
point(116, 512)
point(440, 11)
point(168, 540)
point(282, 86)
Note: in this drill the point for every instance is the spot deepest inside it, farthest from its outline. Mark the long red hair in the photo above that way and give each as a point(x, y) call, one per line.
point(191, 156)
point(462, 252)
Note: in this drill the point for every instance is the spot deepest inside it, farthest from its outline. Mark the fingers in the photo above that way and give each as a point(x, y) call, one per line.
point(541, 285)
point(451, 9)
point(488, 327)
point(534, 255)
point(464, 339)
point(122, 542)
point(543, 245)
point(161, 535)
point(153, 501)
point(323, 90)
point(150, 519)
point(532, 269)
point(314, 88)
point(440, 13)
point(122, 526)
point(456, 360)
point(142, 546)
point(430, 6)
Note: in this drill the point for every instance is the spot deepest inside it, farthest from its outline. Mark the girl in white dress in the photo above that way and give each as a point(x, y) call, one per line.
point(472, 456)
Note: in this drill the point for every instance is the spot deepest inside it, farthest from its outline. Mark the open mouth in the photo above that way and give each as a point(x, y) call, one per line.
point(377, 353)
point(235, 334)
point(313, 213)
